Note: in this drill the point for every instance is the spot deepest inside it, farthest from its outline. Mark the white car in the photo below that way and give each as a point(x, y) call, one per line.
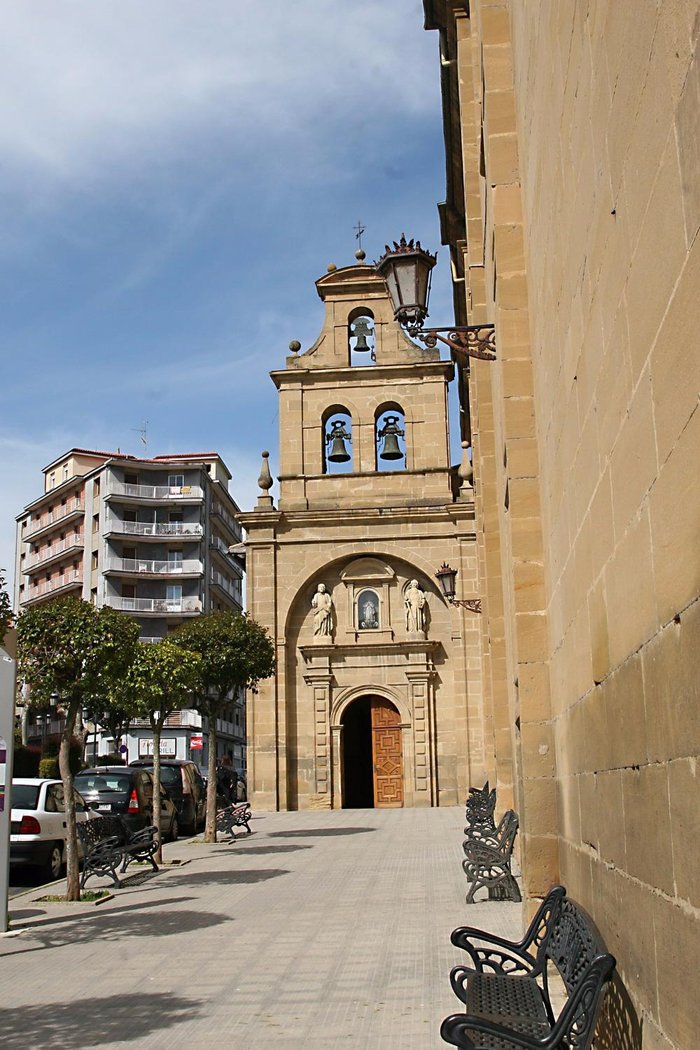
point(38, 824)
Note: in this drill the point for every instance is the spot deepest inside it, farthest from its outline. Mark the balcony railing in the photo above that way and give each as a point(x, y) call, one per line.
point(47, 553)
point(159, 492)
point(218, 511)
point(226, 585)
point(164, 606)
point(149, 528)
point(73, 506)
point(68, 579)
point(156, 568)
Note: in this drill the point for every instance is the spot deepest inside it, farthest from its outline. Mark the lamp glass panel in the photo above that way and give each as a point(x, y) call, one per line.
point(406, 274)
point(392, 285)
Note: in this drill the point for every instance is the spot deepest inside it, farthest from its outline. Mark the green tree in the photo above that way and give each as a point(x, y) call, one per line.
point(69, 647)
point(6, 617)
point(162, 679)
point(236, 653)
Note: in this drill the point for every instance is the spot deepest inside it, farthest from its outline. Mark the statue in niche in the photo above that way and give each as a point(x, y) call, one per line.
point(415, 602)
point(322, 604)
point(368, 609)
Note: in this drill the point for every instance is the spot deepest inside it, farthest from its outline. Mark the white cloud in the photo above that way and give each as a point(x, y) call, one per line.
point(103, 86)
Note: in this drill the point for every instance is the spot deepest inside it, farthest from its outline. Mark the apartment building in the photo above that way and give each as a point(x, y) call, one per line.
point(150, 537)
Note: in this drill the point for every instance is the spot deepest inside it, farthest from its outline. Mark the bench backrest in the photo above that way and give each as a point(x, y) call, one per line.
point(97, 829)
point(506, 832)
point(481, 805)
point(576, 949)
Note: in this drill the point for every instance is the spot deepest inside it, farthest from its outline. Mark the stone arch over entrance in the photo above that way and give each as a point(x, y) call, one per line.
point(371, 754)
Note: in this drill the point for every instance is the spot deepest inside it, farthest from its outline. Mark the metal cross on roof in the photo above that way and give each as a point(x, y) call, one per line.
point(359, 230)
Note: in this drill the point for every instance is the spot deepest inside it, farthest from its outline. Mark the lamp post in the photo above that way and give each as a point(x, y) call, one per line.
point(407, 271)
point(447, 577)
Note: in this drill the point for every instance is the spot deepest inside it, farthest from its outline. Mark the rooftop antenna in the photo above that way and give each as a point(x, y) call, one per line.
point(143, 431)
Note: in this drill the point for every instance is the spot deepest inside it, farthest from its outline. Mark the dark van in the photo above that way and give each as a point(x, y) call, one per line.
point(183, 782)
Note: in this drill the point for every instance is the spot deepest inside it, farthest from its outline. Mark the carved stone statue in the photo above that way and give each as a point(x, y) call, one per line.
point(322, 604)
point(415, 601)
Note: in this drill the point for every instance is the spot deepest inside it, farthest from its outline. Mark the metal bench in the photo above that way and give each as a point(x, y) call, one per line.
point(234, 816)
point(506, 990)
point(487, 861)
point(108, 843)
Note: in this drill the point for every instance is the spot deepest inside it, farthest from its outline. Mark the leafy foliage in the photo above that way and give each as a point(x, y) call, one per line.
point(5, 607)
point(161, 679)
point(69, 647)
point(236, 653)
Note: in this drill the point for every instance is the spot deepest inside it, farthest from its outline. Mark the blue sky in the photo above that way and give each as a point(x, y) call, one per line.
point(175, 176)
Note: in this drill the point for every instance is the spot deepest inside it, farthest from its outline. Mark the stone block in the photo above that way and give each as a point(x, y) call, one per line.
point(677, 935)
point(672, 689)
point(630, 591)
point(684, 790)
point(675, 514)
point(538, 756)
point(633, 465)
point(531, 637)
point(540, 864)
point(688, 140)
point(600, 645)
point(626, 715)
point(646, 802)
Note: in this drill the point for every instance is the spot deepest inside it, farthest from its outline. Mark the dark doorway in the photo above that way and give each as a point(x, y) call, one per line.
point(358, 784)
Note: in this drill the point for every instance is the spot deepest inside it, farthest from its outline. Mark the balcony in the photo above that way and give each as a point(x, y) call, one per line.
point(159, 530)
point(222, 548)
point(69, 581)
point(55, 552)
point(73, 510)
point(230, 589)
point(155, 493)
point(217, 511)
point(143, 567)
point(156, 606)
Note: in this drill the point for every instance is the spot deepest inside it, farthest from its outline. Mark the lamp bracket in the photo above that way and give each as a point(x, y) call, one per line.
point(473, 604)
point(474, 340)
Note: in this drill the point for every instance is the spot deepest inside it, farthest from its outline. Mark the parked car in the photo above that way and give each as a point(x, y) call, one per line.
point(183, 782)
point(38, 824)
point(128, 792)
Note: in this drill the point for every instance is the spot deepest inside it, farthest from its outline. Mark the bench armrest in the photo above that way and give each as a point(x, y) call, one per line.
point(579, 1015)
point(457, 1029)
point(143, 837)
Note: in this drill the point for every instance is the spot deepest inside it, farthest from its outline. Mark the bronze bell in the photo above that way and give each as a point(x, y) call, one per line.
point(391, 433)
point(336, 439)
point(360, 329)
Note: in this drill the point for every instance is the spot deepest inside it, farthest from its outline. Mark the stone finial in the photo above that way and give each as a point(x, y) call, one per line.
point(360, 255)
point(265, 483)
point(466, 474)
point(295, 346)
point(331, 267)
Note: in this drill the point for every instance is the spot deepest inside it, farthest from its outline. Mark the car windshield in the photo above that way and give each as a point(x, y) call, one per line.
point(169, 775)
point(102, 781)
point(25, 796)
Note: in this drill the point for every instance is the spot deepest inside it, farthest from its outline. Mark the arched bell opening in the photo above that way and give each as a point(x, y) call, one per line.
point(361, 337)
point(336, 435)
point(390, 437)
point(372, 757)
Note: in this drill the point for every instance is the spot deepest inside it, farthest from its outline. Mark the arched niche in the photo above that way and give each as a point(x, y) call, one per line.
point(336, 436)
point(390, 437)
point(361, 337)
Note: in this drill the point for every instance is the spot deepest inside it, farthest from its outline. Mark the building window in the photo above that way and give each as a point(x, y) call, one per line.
point(95, 559)
point(368, 610)
point(176, 481)
point(173, 594)
point(52, 479)
point(95, 523)
point(65, 472)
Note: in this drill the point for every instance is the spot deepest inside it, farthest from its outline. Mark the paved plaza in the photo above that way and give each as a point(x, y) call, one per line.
point(320, 929)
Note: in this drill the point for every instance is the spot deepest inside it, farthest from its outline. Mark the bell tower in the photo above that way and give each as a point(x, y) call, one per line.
point(377, 697)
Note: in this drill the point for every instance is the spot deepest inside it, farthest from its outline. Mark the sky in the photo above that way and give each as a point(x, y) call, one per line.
point(174, 176)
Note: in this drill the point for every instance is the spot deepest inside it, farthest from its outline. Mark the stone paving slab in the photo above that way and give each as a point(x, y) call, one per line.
point(320, 929)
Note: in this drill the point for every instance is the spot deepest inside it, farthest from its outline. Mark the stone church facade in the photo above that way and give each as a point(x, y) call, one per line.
point(377, 698)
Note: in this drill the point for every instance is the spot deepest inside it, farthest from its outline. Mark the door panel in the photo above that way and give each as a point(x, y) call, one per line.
point(386, 755)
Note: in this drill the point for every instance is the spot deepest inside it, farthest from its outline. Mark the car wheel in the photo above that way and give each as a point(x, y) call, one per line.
point(174, 830)
point(54, 863)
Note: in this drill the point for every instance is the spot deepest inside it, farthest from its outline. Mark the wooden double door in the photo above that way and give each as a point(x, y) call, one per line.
point(387, 760)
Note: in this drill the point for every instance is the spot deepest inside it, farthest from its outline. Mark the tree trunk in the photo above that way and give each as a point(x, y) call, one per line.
point(156, 726)
point(210, 830)
point(72, 870)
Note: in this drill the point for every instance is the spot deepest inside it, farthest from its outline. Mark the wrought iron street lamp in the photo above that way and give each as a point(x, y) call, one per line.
point(407, 270)
point(447, 578)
